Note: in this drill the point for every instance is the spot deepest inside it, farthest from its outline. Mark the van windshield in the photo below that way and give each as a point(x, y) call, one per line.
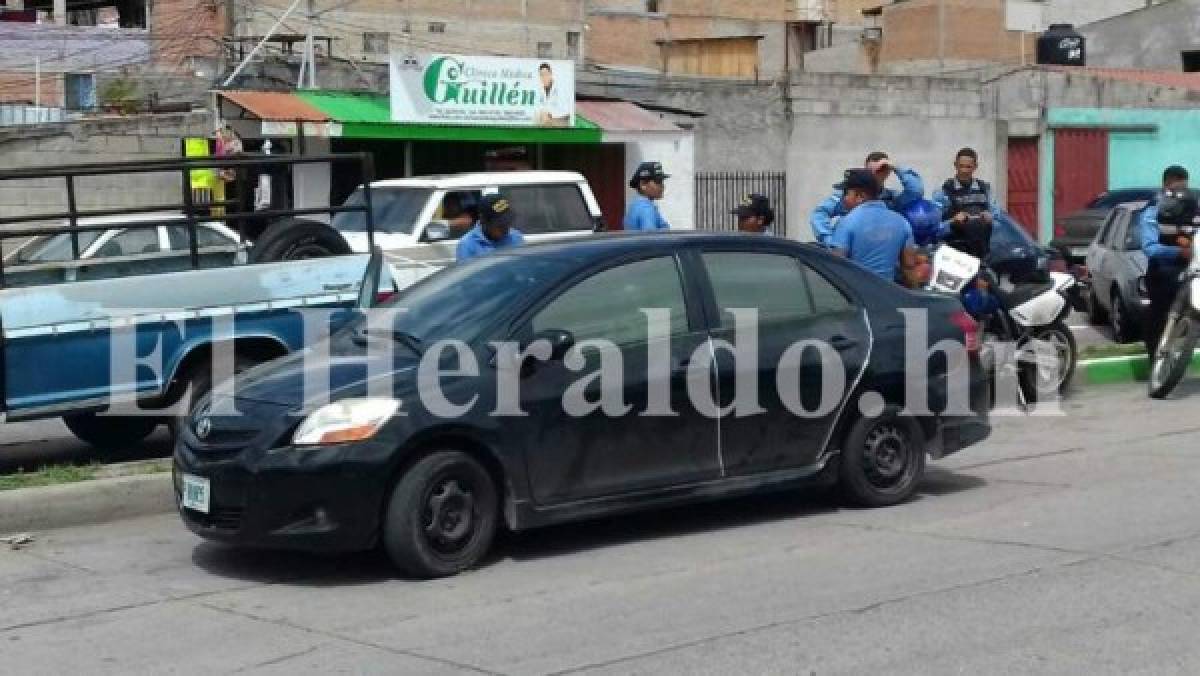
point(395, 210)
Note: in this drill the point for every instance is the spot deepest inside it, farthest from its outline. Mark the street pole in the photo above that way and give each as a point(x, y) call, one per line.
point(37, 82)
point(310, 55)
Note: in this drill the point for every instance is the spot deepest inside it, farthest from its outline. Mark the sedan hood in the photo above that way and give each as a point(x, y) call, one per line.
point(344, 372)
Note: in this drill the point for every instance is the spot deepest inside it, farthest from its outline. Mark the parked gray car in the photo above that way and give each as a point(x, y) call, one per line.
point(1074, 232)
point(1117, 274)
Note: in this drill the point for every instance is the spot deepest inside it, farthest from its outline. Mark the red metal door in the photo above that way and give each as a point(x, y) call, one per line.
point(1080, 169)
point(604, 168)
point(1023, 171)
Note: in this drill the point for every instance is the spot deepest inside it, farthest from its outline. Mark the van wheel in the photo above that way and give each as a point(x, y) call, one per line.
point(441, 517)
point(883, 459)
point(194, 385)
point(109, 432)
point(293, 239)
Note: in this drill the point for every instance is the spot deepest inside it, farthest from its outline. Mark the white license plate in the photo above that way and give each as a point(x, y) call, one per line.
point(196, 493)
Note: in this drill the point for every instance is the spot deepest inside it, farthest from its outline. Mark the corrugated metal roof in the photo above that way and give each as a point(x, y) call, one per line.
point(276, 106)
point(1161, 78)
point(622, 116)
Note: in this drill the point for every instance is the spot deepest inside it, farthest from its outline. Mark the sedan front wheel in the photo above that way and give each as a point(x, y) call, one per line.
point(442, 516)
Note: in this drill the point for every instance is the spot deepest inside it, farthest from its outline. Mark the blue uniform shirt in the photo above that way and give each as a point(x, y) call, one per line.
point(873, 236)
point(643, 214)
point(822, 219)
point(475, 243)
point(1151, 244)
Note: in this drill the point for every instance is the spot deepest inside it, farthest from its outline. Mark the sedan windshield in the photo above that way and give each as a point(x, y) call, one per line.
point(458, 302)
point(395, 210)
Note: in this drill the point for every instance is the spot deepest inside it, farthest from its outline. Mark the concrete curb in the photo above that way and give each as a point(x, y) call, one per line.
point(86, 502)
point(1110, 370)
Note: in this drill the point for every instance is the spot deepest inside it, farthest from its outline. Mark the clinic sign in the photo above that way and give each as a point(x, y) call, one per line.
point(482, 90)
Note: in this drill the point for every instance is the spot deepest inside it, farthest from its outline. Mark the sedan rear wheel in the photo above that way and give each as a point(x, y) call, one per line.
point(442, 516)
point(883, 459)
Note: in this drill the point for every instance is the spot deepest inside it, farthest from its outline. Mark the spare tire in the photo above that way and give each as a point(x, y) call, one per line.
point(293, 239)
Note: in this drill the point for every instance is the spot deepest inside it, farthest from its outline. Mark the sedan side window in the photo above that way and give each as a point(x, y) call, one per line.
point(781, 288)
point(130, 243)
point(608, 305)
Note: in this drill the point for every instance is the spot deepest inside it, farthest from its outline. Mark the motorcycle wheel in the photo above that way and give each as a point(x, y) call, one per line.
point(1035, 382)
point(1174, 355)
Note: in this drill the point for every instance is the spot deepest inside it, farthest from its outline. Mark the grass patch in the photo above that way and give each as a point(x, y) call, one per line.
point(48, 476)
point(1100, 351)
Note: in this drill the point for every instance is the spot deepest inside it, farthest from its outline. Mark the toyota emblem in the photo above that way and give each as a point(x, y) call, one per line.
point(203, 427)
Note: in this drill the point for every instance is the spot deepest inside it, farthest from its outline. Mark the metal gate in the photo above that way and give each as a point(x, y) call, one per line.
point(1080, 168)
point(719, 192)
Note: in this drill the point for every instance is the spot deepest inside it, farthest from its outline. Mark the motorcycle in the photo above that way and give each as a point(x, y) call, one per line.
point(1029, 315)
point(1171, 360)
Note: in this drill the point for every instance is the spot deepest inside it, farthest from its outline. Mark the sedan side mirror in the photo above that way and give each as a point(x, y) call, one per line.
point(437, 231)
point(560, 342)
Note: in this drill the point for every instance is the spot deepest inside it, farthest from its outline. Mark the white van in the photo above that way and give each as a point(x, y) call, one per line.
point(418, 221)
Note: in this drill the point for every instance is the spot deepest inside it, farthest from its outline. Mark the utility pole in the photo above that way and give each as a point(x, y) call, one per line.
point(310, 55)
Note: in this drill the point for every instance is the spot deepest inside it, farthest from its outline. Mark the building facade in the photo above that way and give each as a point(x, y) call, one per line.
point(371, 30)
point(743, 39)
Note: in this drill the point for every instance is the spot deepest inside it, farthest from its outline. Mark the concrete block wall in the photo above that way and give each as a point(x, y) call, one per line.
point(108, 140)
point(820, 124)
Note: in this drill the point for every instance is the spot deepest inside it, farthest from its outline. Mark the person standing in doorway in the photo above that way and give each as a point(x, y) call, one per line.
point(650, 183)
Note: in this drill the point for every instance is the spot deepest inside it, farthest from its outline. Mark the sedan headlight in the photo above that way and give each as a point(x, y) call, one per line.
point(345, 421)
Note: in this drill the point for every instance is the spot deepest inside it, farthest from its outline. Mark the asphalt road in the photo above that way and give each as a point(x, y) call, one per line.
point(1062, 545)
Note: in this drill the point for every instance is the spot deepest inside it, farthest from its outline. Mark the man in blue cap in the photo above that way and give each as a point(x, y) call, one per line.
point(754, 214)
point(871, 234)
point(642, 213)
point(824, 217)
point(493, 231)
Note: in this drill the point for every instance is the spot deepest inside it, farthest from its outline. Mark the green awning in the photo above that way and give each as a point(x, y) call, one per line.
point(368, 116)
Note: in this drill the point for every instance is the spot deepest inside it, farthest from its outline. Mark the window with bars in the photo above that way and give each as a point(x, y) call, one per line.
point(437, 27)
point(573, 45)
point(545, 50)
point(375, 43)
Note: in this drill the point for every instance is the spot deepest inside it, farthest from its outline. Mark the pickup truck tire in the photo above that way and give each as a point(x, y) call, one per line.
point(294, 239)
point(111, 433)
point(196, 383)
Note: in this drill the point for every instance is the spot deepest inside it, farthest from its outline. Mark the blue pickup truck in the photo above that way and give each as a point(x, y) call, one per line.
point(69, 323)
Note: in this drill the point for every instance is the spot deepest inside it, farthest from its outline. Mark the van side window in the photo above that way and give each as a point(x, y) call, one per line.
point(545, 209)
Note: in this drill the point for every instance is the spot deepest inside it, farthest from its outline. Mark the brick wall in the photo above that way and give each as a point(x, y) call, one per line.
point(507, 27)
point(19, 87)
point(180, 29)
point(974, 31)
point(629, 40)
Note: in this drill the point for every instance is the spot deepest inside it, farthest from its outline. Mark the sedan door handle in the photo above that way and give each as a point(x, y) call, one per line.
point(842, 343)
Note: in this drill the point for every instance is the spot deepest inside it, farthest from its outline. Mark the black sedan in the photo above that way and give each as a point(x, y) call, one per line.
point(1074, 232)
point(690, 417)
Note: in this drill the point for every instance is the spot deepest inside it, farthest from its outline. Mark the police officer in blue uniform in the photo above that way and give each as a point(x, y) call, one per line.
point(493, 231)
point(968, 208)
point(1167, 252)
point(871, 234)
point(824, 217)
point(649, 182)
